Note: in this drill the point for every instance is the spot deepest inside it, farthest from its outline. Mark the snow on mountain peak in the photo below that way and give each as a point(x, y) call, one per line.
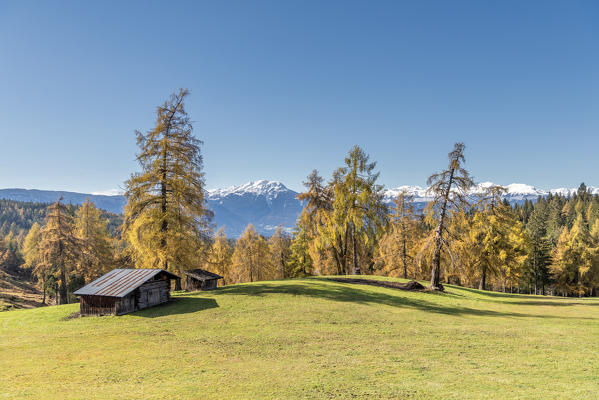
point(524, 189)
point(260, 187)
point(515, 191)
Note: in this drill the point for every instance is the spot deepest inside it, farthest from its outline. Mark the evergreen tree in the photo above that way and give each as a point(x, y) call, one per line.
point(539, 249)
point(166, 218)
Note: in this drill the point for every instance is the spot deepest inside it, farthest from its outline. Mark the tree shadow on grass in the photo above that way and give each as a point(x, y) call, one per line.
point(535, 300)
point(352, 293)
point(177, 305)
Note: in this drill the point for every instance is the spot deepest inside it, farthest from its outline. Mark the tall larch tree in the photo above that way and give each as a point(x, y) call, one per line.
point(404, 233)
point(251, 258)
point(166, 219)
point(574, 264)
point(96, 250)
point(357, 215)
point(367, 214)
point(59, 247)
point(220, 256)
point(300, 261)
point(280, 252)
point(450, 188)
point(498, 237)
point(32, 256)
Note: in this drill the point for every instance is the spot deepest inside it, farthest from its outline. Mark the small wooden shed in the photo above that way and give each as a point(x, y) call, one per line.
point(200, 279)
point(122, 291)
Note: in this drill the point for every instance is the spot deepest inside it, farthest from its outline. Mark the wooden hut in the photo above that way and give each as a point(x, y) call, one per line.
point(200, 279)
point(122, 291)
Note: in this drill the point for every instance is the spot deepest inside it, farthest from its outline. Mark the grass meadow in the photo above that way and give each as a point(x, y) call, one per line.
point(309, 339)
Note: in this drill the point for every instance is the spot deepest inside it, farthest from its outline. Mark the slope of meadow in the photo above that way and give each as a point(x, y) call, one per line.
point(309, 338)
point(16, 293)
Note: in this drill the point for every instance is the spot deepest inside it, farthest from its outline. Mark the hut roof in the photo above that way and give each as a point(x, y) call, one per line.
point(202, 274)
point(121, 282)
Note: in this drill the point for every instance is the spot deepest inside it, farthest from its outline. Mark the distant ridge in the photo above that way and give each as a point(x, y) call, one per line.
point(266, 204)
point(113, 204)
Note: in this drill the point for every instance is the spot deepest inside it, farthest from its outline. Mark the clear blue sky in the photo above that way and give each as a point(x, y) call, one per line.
point(282, 87)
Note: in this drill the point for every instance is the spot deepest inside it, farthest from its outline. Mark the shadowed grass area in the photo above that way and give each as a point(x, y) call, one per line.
point(309, 338)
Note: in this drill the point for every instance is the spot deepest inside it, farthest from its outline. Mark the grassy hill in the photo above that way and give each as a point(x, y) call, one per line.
point(309, 338)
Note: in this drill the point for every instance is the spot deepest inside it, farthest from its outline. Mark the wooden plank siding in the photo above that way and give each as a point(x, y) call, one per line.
point(194, 285)
point(98, 305)
point(152, 293)
point(149, 294)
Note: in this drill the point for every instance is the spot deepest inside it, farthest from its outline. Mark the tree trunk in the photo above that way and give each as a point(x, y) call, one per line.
point(178, 284)
point(483, 278)
point(436, 271)
point(356, 270)
point(163, 203)
point(404, 259)
point(337, 260)
point(344, 253)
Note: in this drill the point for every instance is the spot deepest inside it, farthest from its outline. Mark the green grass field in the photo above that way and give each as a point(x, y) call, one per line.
point(309, 338)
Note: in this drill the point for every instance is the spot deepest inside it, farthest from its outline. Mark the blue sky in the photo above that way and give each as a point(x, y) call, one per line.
point(282, 87)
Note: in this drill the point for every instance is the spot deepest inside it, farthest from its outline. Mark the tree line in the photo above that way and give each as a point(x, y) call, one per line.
point(346, 227)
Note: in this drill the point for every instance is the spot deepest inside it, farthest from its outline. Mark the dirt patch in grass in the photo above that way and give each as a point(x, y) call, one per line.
point(72, 316)
point(411, 285)
point(16, 293)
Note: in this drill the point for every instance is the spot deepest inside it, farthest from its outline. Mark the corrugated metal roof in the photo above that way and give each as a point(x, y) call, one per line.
point(120, 282)
point(202, 274)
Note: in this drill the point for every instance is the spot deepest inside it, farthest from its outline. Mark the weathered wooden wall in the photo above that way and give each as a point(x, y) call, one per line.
point(152, 293)
point(210, 284)
point(194, 285)
point(98, 305)
point(149, 294)
point(126, 304)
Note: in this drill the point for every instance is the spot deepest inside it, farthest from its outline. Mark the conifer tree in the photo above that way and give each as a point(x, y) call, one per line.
point(32, 256)
point(398, 244)
point(574, 265)
point(251, 258)
point(280, 249)
point(300, 261)
point(96, 252)
point(358, 214)
point(220, 255)
point(449, 188)
point(59, 247)
point(499, 237)
point(166, 218)
point(539, 249)
point(367, 214)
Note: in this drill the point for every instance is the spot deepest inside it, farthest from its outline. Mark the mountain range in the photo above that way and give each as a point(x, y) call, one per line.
point(266, 204)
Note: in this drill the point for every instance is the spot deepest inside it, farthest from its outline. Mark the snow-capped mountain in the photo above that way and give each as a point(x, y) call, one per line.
point(516, 192)
point(265, 204)
point(268, 204)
